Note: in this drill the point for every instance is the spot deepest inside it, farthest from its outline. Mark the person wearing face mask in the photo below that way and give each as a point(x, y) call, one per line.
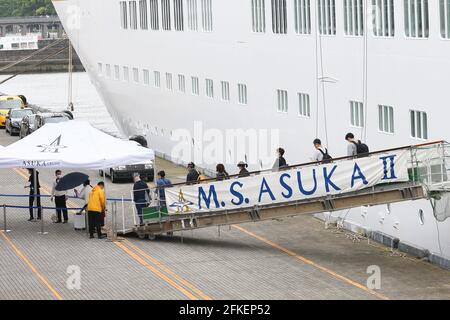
point(60, 200)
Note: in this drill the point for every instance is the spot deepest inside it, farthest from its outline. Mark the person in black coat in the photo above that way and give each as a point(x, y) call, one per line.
point(193, 175)
point(34, 194)
point(280, 162)
point(243, 172)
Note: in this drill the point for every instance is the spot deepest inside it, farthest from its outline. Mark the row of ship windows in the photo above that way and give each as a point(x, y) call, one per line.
point(418, 119)
point(416, 17)
point(242, 93)
point(145, 14)
point(149, 14)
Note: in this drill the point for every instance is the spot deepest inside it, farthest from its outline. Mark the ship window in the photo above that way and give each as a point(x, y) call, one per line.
point(143, 14)
point(169, 81)
point(133, 15)
point(181, 83)
point(386, 119)
point(192, 15)
point(207, 23)
point(304, 105)
point(126, 74)
point(210, 88)
point(445, 18)
point(165, 7)
point(357, 114)
point(302, 16)
point(146, 77)
point(242, 93)
point(136, 74)
point(354, 17)
point(279, 16)
point(327, 17)
point(157, 79)
point(117, 72)
point(259, 15)
point(416, 18)
point(419, 124)
point(123, 14)
point(178, 15)
point(195, 86)
point(100, 68)
point(282, 98)
point(154, 15)
point(225, 90)
point(383, 18)
point(108, 71)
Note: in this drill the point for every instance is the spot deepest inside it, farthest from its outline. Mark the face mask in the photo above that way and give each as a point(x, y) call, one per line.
point(58, 176)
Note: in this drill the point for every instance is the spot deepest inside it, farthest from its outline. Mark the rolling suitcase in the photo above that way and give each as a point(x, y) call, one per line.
point(79, 221)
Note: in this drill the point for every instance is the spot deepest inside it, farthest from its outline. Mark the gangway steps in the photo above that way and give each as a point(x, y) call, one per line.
point(378, 195)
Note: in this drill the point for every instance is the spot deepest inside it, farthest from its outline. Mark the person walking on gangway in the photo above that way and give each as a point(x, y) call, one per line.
point(356, 147)
point(162, 183)
point(96, 207)
point(321, 153)
point(243, 172)
point(34, 194)
point(60, 199)
point(141, 196)
point(280, 162)
point(193, 175)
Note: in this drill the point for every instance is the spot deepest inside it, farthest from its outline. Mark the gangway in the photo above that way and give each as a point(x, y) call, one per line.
point(426, 169)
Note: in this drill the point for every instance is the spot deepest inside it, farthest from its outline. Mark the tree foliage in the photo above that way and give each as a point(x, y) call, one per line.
point(22, 8)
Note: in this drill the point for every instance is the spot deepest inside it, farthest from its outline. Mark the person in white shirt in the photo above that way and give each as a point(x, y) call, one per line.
point(84, 192)
point(319, 151)
point(60, 200)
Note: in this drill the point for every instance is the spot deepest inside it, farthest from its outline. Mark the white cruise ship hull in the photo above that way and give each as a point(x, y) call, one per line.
point(409, 74)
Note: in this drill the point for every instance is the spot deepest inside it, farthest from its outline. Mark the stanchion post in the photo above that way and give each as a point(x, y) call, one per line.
point(5, 227)
point(42, 232)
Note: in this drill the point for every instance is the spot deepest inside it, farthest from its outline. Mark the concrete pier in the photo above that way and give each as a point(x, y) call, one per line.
point(293, 258)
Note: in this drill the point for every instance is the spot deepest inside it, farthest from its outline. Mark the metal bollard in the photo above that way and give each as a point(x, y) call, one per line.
point(5, 227)
point(42, 232)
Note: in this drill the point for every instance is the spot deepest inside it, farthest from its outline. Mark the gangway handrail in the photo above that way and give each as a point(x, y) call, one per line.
point(306, 164)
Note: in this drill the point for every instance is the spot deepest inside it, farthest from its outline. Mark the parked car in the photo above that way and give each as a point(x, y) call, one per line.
point(44, 118)
point(14, 119)
point(28, 125)
point(11, 102)
point(125, 173)
point(3, 115)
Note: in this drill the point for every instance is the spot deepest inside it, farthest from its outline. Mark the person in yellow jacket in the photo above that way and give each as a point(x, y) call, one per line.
point(96, 208)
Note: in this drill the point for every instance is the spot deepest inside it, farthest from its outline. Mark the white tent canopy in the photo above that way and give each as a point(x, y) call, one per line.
point(74, 145)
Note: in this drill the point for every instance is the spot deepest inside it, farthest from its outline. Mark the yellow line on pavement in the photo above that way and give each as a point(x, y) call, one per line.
point(187, 284)
point(156, 271)
point(36, 272)
point(312, 263)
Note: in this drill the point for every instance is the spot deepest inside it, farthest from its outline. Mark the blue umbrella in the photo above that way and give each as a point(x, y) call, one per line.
point(71, 180)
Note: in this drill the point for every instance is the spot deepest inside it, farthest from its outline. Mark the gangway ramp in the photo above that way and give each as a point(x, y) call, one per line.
point(407, 174)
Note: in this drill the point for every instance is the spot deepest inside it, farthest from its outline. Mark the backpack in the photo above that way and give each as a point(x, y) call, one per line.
point(326, 156)
point(361, 148)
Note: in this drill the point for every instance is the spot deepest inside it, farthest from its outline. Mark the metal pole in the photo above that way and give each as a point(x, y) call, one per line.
point(35, 200)
point(42, 232)
point(123, 216)
point(5, 228)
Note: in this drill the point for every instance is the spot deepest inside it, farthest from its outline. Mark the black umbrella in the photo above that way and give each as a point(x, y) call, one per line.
point(71, 180)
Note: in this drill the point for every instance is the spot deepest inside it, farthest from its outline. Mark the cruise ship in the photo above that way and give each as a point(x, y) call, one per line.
point(192, 76)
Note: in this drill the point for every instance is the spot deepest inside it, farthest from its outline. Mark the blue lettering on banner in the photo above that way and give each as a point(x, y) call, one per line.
point(358, 175)
point(327, 178)
point(389, 170)
point(287, 188)
point(265, 189)
point(207, 199)
point(300, 184)
point(237, 194)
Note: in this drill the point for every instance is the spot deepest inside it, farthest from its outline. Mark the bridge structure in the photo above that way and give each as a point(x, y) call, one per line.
point(47, 26)
point(428, 168)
